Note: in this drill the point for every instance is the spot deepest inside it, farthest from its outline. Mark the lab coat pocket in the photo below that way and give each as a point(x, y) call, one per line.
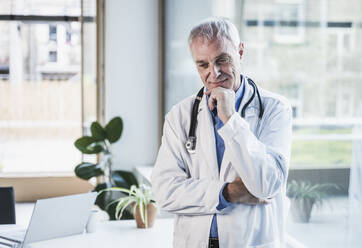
point(187, 226)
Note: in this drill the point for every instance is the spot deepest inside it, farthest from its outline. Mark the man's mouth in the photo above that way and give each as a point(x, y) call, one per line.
point(219, 82)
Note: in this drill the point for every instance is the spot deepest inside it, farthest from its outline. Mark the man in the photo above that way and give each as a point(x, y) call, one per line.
point(231, 191)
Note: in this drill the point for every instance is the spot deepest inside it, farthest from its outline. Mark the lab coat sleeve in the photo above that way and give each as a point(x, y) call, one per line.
point(174, 190)
point(262, 163)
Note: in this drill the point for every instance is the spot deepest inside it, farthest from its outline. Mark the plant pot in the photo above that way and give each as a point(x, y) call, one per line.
point(301, 209)
point(151, 216)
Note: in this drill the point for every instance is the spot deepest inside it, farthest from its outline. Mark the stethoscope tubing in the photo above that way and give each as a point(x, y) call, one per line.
point(191, 140)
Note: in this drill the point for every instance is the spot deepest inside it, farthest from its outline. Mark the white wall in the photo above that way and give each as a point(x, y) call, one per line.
point(131, 77)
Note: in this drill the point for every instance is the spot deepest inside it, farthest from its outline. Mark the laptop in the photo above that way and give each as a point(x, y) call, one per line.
point(53, 218)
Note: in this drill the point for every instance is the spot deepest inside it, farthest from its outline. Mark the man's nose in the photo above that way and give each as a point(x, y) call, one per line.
point(215, 71)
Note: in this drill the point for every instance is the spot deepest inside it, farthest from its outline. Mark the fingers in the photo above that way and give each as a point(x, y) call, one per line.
point(251, 200)
point(260, 201)
point(268, 201)
point(245, 197)
point(212, 103)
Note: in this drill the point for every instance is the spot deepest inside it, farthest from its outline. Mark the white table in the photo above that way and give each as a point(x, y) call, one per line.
point(117, 234)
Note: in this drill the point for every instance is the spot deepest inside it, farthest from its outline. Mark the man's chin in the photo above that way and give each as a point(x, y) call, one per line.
point(215, 85)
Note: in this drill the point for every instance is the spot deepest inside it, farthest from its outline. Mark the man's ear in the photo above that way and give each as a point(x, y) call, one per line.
point(241, 49)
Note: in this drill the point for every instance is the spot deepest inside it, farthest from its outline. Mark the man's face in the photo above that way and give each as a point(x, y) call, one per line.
point(218, 62)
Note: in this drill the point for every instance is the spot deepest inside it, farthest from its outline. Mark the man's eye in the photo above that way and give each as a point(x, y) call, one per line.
point(223, 61)
point(203, 66)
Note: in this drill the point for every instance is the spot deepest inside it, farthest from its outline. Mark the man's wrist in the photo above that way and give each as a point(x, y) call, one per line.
point(226, 118)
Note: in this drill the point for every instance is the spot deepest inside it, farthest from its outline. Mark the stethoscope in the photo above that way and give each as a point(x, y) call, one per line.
point(191, 140)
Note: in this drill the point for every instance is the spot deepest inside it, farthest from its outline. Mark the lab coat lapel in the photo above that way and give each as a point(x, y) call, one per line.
point(206, 138)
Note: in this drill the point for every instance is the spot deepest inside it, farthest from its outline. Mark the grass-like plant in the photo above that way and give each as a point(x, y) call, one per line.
point(306, 190)
point(139, 197)
point(304, 195)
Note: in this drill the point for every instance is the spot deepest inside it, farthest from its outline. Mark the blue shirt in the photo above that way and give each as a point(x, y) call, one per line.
point(220, 149)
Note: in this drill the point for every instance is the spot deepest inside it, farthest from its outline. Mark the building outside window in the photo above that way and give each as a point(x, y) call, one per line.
point(44, 84)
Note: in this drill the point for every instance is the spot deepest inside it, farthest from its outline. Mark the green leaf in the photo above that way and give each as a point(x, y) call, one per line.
point(306, 190)
point(100, 200)
point(106, 201)
point(98, 132)
point(86, 145)
point(146, 216)
point(114, 129)
point(122, 205)
point(124, 179)
point(141, 209)
point(123, 190)
point(95, 147)
point(88, 170)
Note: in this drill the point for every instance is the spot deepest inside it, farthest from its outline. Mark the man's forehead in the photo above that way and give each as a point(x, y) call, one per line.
point(215, 43)
point(203, 48)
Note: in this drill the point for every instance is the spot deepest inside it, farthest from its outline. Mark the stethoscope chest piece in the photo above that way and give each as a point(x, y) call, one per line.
point(191, 145)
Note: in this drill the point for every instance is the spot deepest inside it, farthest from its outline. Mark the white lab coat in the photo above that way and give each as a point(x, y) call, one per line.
point(188, 185)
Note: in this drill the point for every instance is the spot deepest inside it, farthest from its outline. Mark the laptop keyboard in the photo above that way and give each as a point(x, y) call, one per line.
point(15, 235)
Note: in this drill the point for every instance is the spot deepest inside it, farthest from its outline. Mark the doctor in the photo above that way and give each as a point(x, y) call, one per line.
point(229, 191)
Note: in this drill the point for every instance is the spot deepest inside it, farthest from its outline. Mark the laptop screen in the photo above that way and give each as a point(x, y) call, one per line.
point(59, 217)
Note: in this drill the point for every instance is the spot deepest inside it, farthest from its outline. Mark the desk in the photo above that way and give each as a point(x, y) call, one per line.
point(117, 234)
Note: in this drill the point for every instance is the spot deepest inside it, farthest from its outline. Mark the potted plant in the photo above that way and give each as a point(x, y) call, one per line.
point(100, 142)
point(304, 195)
point(140, 199)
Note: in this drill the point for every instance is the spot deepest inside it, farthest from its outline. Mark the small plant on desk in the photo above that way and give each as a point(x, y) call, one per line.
point(140, 199)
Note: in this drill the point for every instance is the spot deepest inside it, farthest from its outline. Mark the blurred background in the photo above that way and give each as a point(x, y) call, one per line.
point(66, 63)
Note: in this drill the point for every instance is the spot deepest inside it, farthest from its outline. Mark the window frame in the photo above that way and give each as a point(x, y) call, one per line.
point(299, 36)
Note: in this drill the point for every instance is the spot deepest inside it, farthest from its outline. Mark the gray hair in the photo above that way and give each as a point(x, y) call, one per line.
point(215, 28)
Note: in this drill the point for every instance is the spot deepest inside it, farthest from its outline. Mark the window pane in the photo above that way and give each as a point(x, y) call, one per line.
point(89, 63)
point(40, 101)
point(40, 7)
point(89, 74)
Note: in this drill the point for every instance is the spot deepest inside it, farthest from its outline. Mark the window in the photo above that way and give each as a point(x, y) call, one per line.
point(289, 21)
point(53, 33)
point(47, 90)
point(52, 56)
